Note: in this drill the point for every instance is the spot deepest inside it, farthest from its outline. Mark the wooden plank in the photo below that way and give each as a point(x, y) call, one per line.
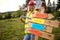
point(35, 32)
point(38, 26)
point(42, 34)
point(47, 36)
point(55, 23)
point(49, 29)
point(52, 23)
point(50, 16)
point(47, 22)
point(39, 21)
point(38, 15)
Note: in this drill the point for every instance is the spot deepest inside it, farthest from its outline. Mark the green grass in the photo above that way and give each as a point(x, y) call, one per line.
point(13, 29)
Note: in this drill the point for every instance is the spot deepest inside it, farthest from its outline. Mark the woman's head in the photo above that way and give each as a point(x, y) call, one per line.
point(31, 5)
point(32, 8)
point(43, 7)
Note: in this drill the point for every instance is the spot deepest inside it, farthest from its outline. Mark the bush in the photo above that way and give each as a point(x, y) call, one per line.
point(6, 16)
point(0, 16)
point(14, 15)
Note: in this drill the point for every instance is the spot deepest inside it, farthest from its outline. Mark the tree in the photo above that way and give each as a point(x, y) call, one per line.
point(20, 11)
point(49, 7)
point(27, 1)
point(54, 6)
point(58, 4)
point(0, 16)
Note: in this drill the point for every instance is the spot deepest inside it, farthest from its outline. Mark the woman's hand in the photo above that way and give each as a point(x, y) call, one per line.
point(22, 19)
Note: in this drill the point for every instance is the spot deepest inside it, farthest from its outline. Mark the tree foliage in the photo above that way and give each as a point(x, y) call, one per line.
point(58, 4)
point(27, 1)
point(13, 14)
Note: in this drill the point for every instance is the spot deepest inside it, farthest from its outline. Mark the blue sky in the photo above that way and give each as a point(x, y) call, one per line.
point(12, 5)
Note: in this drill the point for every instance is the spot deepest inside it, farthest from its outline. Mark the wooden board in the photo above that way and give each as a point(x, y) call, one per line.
point(35, 32)
point(38, 26)
point(39, 15)
point(47, 36)
point(47, 22)
point(50, 16)
point(42, 34)
point(39, 21)
point(52, 23)
point(49, 29)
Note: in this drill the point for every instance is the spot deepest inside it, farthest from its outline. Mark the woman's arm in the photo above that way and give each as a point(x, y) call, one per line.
point(22, 19)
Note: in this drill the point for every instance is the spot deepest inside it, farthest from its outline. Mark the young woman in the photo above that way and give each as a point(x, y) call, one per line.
point(31, 11)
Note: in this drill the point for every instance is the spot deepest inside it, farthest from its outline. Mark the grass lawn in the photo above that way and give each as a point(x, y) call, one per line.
point(13, 29)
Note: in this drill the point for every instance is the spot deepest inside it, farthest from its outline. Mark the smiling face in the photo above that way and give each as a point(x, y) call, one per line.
point(31, 8)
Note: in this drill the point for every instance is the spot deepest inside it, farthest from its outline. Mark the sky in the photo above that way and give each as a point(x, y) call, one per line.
point(12, 5)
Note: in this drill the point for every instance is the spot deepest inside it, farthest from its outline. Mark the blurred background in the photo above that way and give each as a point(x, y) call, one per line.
point(11, 28)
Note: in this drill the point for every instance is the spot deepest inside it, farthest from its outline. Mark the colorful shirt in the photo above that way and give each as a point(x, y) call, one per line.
point(29, 15)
